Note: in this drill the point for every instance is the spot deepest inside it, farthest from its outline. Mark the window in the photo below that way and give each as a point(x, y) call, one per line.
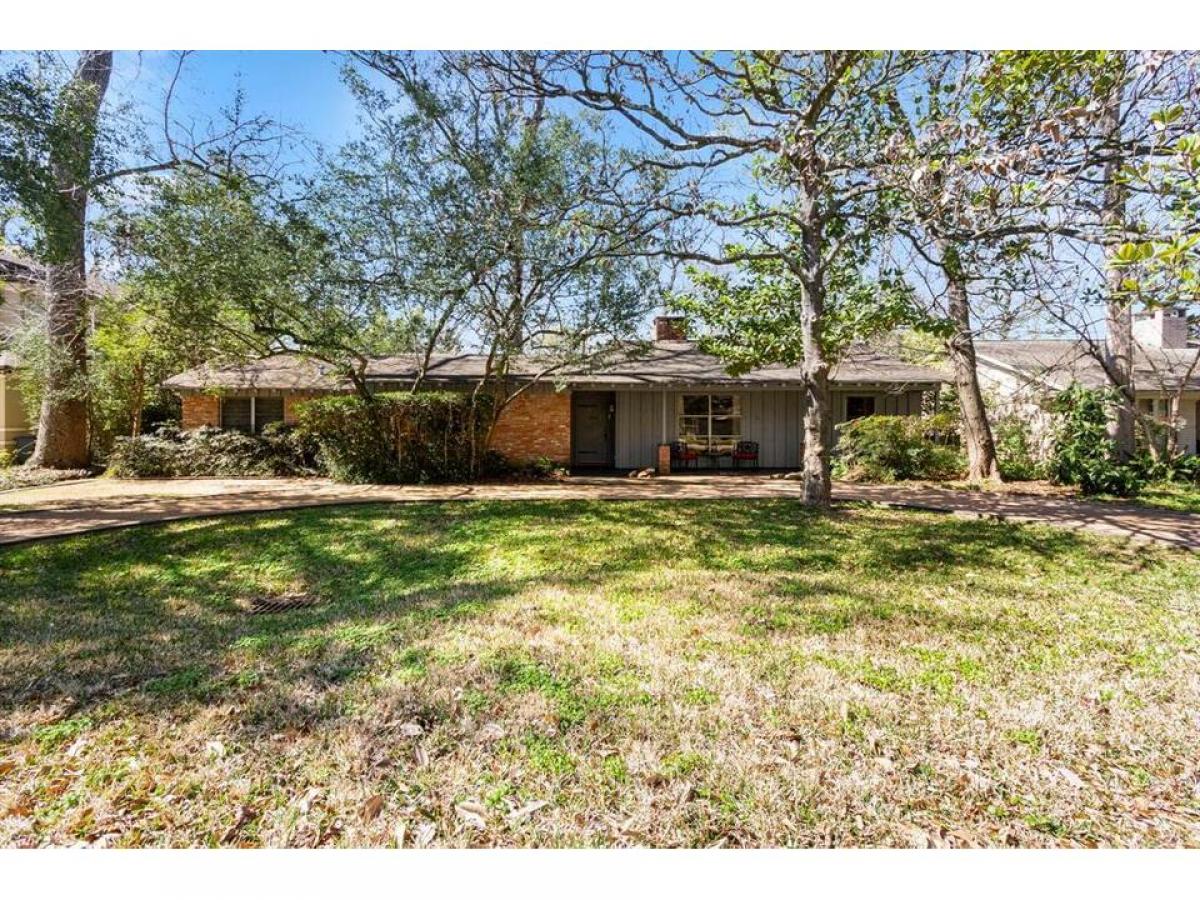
point(266, 411)
point(710, 422)
point(236, 413)
point(858, 407)
point(250, 414)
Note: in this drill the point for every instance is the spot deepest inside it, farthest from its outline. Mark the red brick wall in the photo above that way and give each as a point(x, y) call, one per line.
point(536, 423)
point(201, 409)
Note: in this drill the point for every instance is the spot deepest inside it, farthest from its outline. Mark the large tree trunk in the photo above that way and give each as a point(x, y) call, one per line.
point(818, 411)
point(62, 438)
point(977, 432)
point(1118, 343)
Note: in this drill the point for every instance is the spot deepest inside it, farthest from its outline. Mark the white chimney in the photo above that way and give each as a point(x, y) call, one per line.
point(1163, 328)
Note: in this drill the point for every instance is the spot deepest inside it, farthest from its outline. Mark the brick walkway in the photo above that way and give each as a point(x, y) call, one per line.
point(76, 507)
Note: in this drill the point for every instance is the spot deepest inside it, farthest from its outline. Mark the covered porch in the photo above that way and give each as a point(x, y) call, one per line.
point(715, 427)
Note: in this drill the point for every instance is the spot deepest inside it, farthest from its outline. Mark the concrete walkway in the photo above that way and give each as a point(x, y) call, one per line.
point(75, 507)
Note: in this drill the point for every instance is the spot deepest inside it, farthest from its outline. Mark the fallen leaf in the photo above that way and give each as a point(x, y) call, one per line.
point(472, 813)
point(77, 747)
point(421, 756)
point(412, 729)
point(371, 808)
point(245, 814)
point(426, 832)
point(215, 749)
point(490, 732)
point(400, 832)
point(311, 796)
point(526, 811)
point(1070, 777)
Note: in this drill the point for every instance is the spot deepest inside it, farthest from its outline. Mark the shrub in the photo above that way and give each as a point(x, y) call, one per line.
point(1014, 450)
point(398, 438)
point(1083, 454)
point(8, 458)
point(171, 452)
point(896, 448)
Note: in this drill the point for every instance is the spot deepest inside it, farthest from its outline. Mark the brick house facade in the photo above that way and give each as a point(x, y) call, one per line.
point(535, 425)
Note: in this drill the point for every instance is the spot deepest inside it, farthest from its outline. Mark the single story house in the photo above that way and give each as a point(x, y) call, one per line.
point(612, 416)
point(1019, 376)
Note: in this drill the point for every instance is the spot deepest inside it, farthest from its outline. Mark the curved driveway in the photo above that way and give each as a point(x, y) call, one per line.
point(76, 507)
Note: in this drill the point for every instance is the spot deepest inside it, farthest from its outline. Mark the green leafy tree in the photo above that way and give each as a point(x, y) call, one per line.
point(231, 272)
point(803, 127)
point(513, 227)
point(65, 145)
point(1095, 120)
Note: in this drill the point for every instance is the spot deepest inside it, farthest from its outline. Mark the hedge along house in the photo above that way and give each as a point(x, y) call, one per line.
point(612, 416)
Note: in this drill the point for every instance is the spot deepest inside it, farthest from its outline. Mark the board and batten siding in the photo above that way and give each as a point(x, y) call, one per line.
point(770, 417)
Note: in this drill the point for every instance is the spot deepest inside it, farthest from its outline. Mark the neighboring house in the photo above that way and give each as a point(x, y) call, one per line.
point(614, 416)
point(19, 281)
point(1020, 376)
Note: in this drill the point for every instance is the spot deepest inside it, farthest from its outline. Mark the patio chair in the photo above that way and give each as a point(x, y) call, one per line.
point(682, 454)
point(745, 452)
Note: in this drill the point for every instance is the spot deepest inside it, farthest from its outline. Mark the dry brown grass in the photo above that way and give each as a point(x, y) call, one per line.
point(548, 674)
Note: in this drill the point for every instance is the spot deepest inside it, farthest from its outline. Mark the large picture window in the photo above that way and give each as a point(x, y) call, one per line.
point(710, 422)
point(250, 414)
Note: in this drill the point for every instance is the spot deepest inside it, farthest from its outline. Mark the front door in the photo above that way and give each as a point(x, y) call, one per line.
point(592, 429)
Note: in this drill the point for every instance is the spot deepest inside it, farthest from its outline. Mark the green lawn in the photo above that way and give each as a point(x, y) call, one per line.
point(1171, 495)
point(685, 673)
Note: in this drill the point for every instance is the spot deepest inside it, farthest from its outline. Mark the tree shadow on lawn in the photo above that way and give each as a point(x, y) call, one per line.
point(153, 611)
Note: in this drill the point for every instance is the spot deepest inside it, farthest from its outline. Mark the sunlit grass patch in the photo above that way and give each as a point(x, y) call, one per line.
point(596, 674)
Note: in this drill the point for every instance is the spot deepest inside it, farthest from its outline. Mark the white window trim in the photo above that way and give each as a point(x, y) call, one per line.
point(708, 437)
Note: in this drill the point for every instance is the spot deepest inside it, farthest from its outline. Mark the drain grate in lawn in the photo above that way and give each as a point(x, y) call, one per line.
point(262, 605)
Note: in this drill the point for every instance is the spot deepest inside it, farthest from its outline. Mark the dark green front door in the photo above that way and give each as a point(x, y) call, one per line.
point(592, 414)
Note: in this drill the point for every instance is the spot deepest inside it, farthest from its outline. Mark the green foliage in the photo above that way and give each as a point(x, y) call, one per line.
point(426, 436)
point(1083, 453)
point(753, 318)
point(8, 458)
point(242, 273)
point(170, 452)
point(132, 354)
point(898, 448)
point(1014, 450)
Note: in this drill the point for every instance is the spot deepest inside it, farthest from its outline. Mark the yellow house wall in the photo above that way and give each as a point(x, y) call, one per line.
point(13, 422)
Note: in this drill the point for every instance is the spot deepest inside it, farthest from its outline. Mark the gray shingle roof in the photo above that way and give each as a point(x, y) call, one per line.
point(660, 364)
point(1058, 363)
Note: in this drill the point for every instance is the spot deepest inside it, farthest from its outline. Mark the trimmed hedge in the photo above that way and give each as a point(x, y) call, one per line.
point(170, 452)
point(398, 438)
point(897, 448)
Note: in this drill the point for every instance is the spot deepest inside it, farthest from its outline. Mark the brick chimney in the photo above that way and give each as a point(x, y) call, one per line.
point(1163, 328)
point(669, 328)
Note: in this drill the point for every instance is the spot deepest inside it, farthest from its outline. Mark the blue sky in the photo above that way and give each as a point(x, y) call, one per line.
point(300, 89)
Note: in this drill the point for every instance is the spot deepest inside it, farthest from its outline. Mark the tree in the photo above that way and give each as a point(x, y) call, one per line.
point(950, 211)
point(804, 127)
point(231, 271)
point(1091, 116)
point(52, 181)
point(59, 151)
point(512, 225)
